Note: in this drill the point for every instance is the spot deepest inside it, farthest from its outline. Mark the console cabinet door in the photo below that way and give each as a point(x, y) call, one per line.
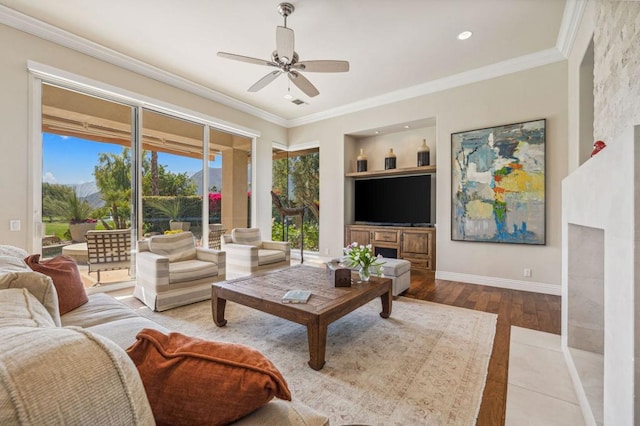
point(418, 248)
point(416, 243)
point(360, 236)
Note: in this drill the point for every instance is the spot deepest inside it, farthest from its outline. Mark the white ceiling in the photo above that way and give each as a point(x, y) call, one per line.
point(392, 45)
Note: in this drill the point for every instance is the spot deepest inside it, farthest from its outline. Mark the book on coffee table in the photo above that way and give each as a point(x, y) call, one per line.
point(296, 296)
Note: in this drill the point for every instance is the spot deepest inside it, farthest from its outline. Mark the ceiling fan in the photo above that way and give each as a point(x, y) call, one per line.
point(285, 60)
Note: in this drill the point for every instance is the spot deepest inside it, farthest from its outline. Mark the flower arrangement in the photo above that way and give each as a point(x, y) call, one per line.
point(362, 257)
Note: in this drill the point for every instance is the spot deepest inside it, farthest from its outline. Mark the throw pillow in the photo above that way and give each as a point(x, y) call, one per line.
point(64, 272)
point(195, 381)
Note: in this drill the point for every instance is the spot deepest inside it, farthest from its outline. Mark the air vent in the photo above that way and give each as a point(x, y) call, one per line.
point(298, 102)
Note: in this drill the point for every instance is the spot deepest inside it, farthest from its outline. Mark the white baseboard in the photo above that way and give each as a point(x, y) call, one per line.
point(500, 282)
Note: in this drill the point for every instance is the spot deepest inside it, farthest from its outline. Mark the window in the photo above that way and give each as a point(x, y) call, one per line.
point(95, 153)
point(296, 180)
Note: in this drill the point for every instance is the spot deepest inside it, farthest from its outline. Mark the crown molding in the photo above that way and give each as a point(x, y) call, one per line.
point(521, 63)
point(571, 18)
point(56, 35)
point(501, 282)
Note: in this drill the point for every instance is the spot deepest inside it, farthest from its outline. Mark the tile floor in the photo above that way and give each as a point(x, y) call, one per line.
point(539, 390)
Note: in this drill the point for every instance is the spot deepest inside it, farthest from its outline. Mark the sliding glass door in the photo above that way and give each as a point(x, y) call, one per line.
point(172, 152)
point(86, 173)
point(109, 165)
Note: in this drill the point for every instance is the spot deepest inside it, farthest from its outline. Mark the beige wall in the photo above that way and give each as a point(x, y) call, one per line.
point(528, 95)
point(18, 47)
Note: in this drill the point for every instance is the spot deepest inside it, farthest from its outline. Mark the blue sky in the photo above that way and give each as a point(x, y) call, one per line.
point(69, 160)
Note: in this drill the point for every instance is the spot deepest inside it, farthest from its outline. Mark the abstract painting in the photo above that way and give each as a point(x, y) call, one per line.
point(498, 184)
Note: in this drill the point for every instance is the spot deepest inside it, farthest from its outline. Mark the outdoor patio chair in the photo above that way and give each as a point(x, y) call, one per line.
point(247, 252)
point(108, 250)
point(216, 231)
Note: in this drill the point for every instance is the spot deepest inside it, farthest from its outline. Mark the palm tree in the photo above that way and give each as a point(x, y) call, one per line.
point(113, 177)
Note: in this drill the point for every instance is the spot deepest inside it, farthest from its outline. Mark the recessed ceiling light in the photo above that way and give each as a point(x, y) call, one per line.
point(377, 132)
point(464, 35)
point(406, 127)
point(288, 96)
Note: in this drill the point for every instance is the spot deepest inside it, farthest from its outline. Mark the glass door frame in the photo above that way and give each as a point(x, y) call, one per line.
point(44, 74)
point(292, 149)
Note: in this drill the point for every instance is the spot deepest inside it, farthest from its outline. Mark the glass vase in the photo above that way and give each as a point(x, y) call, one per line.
point(364, 273)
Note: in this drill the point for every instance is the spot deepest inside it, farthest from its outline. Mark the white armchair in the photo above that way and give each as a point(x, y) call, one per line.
point(171, 271)
point(247, 252)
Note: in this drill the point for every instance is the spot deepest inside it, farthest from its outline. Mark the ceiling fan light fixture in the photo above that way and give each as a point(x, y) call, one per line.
point(464, 35)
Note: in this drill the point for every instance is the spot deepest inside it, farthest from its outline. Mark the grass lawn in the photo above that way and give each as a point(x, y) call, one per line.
point(56, 228)
point(60, 228)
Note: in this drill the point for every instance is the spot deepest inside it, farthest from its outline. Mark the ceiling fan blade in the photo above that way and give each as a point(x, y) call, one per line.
point(284, 44)
point(246, 59)
point(322, 66)
point(303, 84)
point(264, 81)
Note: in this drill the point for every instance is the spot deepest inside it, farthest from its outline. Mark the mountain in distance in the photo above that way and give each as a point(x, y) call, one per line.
point(215, 179)
point(89, 190)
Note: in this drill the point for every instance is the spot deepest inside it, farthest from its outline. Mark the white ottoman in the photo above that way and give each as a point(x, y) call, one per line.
point(399, 270)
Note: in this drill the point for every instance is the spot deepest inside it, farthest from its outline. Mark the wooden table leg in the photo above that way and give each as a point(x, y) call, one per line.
point(317, 335)
point(217, 309)
point(387, 300)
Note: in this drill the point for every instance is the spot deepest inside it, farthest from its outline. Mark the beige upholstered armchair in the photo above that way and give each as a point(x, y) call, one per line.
point(171, 271)
point(247, 252)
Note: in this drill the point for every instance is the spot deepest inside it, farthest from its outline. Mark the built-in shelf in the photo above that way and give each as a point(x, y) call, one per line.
point(393, 172)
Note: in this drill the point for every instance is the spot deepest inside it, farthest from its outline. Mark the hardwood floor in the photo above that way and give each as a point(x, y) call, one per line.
point(520, 308)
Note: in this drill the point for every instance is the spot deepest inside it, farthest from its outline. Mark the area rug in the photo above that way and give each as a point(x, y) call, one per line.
point(425, 365)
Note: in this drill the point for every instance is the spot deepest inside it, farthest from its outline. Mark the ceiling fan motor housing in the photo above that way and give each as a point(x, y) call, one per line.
point(285, 9)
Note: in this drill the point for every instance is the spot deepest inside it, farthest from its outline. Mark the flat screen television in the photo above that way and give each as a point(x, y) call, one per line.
point(400, 201)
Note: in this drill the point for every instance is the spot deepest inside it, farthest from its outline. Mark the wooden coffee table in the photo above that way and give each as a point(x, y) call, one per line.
point(327, 303)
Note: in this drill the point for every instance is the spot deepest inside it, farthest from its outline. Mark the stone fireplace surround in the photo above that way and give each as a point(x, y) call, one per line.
point(600, 314)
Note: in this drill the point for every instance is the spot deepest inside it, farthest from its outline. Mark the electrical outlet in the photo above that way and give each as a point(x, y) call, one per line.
point(14, 225)
point(526, 272)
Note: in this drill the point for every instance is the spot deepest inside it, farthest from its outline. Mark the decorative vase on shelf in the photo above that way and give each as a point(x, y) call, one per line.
point(364, 273)
point(361, 161)
point(390, 160)
point(423, 154)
